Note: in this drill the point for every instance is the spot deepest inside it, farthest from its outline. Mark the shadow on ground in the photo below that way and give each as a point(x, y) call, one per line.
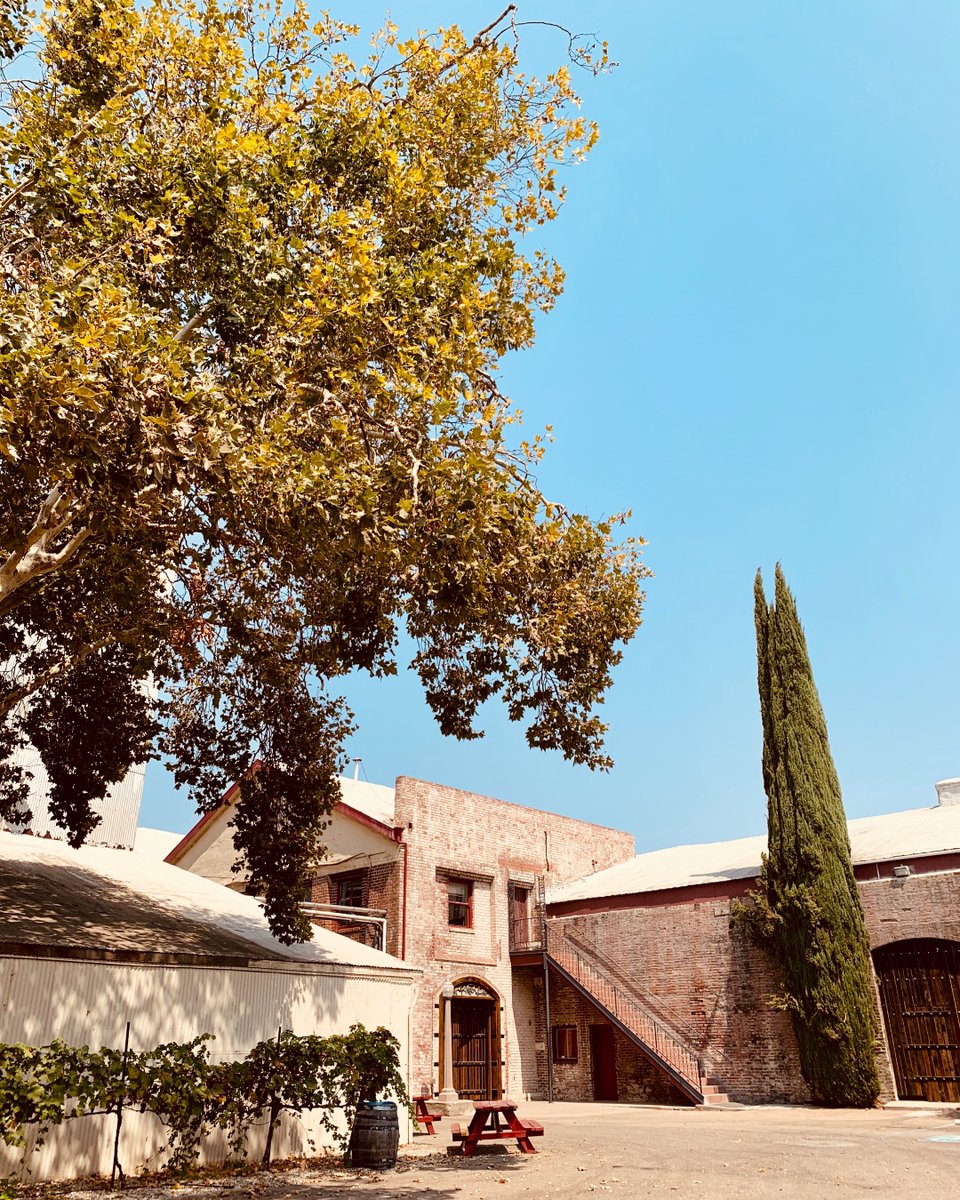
point(438, 1176)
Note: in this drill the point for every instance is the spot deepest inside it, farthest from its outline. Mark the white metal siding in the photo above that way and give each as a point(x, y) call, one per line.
point(89, 1003)
point(119, 810)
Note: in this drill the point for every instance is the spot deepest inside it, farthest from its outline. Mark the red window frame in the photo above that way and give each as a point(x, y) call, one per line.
point(459, 903)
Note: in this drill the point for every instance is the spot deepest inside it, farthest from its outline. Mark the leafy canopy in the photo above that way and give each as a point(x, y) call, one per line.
point(254, 298)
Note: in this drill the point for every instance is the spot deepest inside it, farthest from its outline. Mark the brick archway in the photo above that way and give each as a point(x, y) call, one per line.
point(919, 984)
point(476, 1043)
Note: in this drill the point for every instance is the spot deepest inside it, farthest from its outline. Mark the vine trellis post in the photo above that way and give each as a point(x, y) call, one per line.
point(117, 1165)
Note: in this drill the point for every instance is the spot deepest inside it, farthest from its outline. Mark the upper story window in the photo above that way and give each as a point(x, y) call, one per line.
point(460, 903)
point(349, 890)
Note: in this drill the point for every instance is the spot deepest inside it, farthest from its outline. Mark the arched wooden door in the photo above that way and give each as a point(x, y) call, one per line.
point(475, 1021)
point(920, 993)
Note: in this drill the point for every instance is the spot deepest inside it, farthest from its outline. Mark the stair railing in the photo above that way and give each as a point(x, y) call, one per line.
point(681, 1061)
point(683, 1029)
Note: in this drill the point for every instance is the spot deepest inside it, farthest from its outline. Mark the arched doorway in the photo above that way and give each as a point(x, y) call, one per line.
point(475, 1041)
point(920, 994)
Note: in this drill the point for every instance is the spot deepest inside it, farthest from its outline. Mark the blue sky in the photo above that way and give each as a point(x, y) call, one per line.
point(757, 354)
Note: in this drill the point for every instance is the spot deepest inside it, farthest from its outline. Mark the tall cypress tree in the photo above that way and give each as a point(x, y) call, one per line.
point(807, 901)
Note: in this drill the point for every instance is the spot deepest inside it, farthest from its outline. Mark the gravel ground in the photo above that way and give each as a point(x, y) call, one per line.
point(628, 1151)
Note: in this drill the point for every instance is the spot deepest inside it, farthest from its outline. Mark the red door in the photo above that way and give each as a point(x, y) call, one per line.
point(603, 1057)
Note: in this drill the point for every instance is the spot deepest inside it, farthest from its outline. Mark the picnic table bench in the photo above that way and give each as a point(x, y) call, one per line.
point(423, 1116)
point(496, 1120)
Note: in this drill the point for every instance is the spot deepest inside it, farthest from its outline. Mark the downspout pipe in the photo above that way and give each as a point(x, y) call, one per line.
point(405, 847)
point(546, 996)
point(549, 1039)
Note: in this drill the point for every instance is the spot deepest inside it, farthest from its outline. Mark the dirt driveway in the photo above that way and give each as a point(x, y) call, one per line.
point(630, 1151)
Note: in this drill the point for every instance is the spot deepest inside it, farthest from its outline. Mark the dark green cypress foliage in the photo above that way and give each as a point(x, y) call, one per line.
point(808, 908)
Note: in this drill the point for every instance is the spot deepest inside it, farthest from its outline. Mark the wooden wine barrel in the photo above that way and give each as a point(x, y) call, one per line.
point(376, 1135)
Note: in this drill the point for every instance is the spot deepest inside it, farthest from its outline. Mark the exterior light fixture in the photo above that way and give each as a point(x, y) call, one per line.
point(901, 871)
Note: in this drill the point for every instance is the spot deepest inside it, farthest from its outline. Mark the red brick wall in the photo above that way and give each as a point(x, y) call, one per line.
point(919, 906)
point(700, 965)
point(491, 842)
point(380, 889)
point(639, 1081)
point(703, 971)
point(463, 827)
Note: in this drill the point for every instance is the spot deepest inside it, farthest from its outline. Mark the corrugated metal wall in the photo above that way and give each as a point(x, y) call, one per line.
point(119, 810)
point(89, 1003)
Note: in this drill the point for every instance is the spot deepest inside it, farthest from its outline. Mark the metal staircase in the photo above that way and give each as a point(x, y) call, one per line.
point(584, 971)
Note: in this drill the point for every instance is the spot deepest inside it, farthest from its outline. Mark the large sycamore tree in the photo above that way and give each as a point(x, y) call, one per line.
point(807, 906)
point(254, 294)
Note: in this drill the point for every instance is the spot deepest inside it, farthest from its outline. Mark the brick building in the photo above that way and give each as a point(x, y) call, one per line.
point(463, 896)
point(557, 963)
point(451, 882)
point(660, 928)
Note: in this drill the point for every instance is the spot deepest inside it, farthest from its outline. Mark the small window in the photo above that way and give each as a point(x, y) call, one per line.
point(349, 890)
point(565, 1043)
point(460, 903)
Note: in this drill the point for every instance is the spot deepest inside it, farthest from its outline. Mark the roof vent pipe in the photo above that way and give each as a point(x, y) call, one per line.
point(948, 791)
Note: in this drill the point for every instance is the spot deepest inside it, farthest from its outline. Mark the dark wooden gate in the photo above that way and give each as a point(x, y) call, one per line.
point(476, 1048)
point(920, 993)
point(603, 1059)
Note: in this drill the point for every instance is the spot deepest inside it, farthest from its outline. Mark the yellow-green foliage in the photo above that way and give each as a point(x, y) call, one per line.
point(255, 295)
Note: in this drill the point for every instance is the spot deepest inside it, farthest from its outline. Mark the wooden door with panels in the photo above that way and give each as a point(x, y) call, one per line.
point(920, 995)
point(520, 921)
point(476, 1043)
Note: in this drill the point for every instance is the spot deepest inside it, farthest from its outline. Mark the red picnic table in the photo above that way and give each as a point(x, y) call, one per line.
point(423, 1116)
point(496, 1120)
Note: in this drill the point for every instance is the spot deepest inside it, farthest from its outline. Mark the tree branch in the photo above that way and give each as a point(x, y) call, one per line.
point(478, 40)
point(186, 331)
point(33, 557)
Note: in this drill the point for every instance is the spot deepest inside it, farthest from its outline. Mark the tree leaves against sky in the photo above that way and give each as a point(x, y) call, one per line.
point(254, 298)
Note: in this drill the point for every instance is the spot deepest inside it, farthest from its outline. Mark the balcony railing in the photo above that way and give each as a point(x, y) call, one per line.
point(526, 933)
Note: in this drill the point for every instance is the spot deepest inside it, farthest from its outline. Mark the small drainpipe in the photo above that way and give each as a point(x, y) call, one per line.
point(404, 846)
point(546, 995)
point(546, 1001)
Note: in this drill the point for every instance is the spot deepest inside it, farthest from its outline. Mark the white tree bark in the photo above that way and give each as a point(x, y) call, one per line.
point(38, 554)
